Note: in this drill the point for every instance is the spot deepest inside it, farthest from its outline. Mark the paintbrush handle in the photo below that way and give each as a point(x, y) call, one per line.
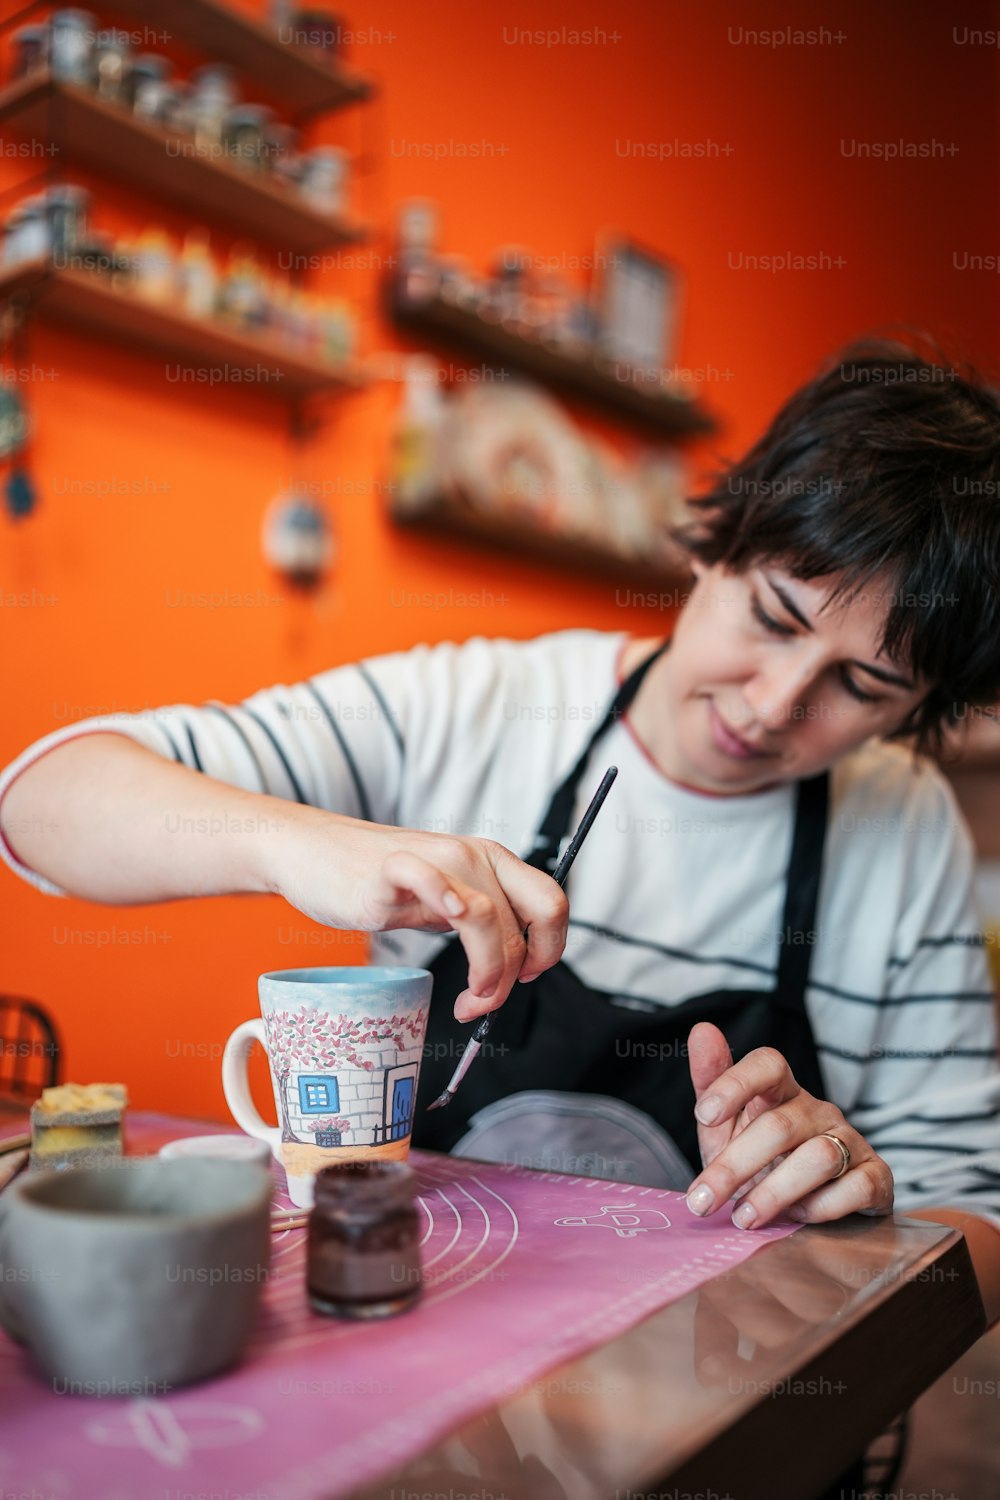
point(563, 867)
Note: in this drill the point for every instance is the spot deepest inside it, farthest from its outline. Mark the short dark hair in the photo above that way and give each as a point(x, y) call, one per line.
point(884, 465)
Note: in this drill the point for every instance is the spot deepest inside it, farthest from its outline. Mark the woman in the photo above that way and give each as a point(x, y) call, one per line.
point(770, 880)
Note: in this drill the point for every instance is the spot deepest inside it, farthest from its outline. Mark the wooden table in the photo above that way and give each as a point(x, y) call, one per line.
point(767, 1382)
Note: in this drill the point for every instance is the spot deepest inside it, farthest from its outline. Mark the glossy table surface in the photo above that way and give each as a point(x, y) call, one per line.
point(768, 1381)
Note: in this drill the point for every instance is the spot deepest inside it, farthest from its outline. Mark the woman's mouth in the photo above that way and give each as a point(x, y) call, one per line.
point(728, 741)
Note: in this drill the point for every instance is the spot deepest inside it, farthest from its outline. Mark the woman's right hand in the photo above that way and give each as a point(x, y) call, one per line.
point(372, 878)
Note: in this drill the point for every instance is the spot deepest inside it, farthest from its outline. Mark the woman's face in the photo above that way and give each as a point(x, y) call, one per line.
point(767, 681)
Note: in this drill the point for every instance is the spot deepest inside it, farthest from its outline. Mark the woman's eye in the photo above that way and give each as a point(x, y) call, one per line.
point(857, 692)
point(768, 621)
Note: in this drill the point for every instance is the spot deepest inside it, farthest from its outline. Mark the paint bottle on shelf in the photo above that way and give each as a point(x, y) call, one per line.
point(418, 440)
point(71, 43)
point(31, 50)
point(197, 277)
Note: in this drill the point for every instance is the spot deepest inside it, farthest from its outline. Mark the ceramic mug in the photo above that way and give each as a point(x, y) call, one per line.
point(135, 1276)
point(344, 1048)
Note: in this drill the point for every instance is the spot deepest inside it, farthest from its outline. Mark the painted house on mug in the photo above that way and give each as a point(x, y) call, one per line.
point(344, 1081)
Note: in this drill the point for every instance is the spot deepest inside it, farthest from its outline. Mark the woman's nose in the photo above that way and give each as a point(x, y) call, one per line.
point(773, 695)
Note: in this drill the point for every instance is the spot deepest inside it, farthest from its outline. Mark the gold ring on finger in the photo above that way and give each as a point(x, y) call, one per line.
point(844, 1149)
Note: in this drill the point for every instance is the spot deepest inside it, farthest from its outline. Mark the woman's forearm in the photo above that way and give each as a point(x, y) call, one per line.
point(106, 819)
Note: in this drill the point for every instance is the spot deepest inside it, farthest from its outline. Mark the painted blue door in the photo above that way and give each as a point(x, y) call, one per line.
point(402, 1108)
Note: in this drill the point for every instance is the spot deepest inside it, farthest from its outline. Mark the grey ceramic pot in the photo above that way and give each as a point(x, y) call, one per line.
point(137, 1276)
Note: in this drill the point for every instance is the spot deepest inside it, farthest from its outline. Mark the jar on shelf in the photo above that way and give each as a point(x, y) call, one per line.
point(95, 253)
point(281, 152)
point(28, 231)
point(31, 50)
point(553, 299)
point(153, 270)
point(323, 178)
point(71, 45)
point(67, 208)
point(454, 279)
point(125, 259)
point(337, 323)
point(112, 60)
point(241, 290)
point(280, 13)
point(149, 86)
point(419, 269)
point(298, 320)
point(243, 135)
point(364, 1240)
point(318, 32)
point(213, 94)
point(12, 240)
point(175, 113)
point(197, 277)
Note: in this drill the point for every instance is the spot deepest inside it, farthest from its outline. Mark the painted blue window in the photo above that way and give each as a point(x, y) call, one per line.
point(317, 1094)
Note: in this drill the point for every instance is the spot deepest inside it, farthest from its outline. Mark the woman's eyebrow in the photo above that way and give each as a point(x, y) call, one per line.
point(789, 603)
point(892, 679)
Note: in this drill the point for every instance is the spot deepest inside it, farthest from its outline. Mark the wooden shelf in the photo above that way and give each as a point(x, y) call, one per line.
point(655, 411)
point(84, 300)
point(302, 81)
point(88, 130)
point(453, 517)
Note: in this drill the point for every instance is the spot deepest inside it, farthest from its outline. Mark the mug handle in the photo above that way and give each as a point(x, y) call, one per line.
point(236, 1085)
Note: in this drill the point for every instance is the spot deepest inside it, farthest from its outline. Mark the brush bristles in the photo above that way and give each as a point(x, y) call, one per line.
point(442, 1100)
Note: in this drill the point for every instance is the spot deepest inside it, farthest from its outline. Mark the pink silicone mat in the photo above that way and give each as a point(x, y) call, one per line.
point(320, 1407)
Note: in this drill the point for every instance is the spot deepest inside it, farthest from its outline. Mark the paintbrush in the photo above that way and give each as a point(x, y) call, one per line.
point(559, 876)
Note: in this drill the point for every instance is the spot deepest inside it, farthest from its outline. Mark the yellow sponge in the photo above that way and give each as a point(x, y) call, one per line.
point(77, 1124)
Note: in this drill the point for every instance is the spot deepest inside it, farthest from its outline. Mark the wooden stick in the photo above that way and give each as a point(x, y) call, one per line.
point(284, 1220)
point(10, 1164)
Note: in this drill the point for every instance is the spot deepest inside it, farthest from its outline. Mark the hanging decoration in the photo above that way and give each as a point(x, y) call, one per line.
point(297, 539)
point(15, 422)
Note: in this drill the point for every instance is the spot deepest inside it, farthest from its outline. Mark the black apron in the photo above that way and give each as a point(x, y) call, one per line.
point(559, 1034)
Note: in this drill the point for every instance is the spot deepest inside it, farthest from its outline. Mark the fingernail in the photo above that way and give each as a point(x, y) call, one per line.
point(709, 1109)
point(453, 903)
point(701, 1199)
point(745, 1216)
point(468, 1006)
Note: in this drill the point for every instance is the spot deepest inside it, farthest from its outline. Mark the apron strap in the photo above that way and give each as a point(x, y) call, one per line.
point(544, 854)
point(798, 923)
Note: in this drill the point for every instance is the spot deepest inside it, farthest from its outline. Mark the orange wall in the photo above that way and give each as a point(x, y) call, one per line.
point(191, 471)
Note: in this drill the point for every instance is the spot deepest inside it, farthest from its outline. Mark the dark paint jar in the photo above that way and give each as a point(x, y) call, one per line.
point(364, 1233)
point(31, 50)
point(318, 31)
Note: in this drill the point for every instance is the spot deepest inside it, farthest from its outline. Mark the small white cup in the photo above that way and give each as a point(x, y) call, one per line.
point(216, 1147)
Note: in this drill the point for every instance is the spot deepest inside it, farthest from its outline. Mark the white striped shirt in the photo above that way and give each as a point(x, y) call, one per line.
point(675, 893)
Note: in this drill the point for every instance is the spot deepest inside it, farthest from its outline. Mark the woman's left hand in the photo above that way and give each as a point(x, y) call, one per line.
point(765, 1142)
